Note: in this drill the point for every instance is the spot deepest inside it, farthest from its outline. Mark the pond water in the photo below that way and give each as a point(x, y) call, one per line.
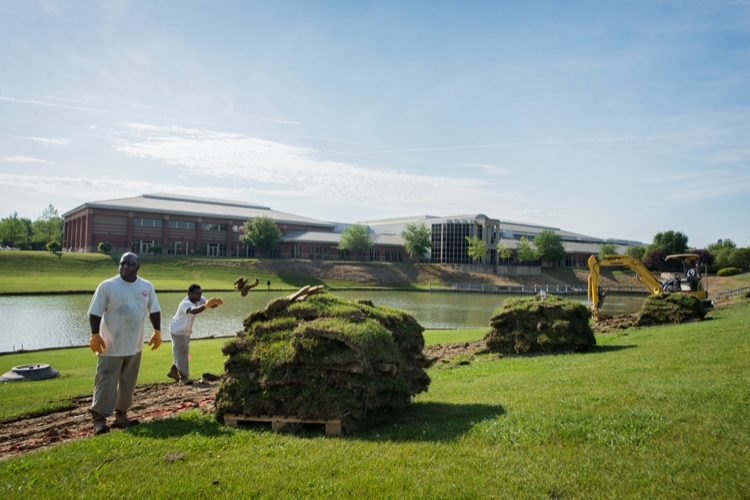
point(41, 321)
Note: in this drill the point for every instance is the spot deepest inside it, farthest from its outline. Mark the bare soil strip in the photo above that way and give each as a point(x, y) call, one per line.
point(24, 434)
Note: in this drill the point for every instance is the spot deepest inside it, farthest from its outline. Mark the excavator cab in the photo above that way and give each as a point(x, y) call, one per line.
point(690, 280)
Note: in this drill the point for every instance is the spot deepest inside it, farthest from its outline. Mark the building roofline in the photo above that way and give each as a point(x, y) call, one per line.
point(209, 201)
point(117, 204)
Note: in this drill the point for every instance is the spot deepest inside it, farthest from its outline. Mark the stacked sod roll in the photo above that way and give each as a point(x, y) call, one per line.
point(323, 357)
point(531, 324)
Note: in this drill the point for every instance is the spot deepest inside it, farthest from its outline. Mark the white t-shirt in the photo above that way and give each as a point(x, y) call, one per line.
point(123, 307)
point(182, 323)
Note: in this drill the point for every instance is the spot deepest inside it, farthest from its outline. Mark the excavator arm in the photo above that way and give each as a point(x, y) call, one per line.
point(596, 294)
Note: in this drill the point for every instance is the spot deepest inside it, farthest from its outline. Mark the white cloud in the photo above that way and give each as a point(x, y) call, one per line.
point(490, 169)
point(286, 122)
point(108, 188)
point(23, 159)
point(292, 171)
point(57, 142)
point(693, 185)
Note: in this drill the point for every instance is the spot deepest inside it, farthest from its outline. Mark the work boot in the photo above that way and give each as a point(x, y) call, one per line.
point(122, 421)
point(100, 423)
point(174, 373)
point(100, 427)
point(185, 380)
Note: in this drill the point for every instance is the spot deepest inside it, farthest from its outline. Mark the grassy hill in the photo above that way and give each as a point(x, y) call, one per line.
point(45, 271)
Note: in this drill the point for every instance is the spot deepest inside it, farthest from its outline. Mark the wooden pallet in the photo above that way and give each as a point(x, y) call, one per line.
point(333, 426)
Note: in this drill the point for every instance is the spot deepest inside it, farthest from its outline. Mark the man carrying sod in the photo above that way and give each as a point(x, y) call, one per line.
point(117, 315)
point(181, 327)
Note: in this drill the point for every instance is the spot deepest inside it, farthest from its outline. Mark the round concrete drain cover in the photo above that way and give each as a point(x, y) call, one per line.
point(39, 371)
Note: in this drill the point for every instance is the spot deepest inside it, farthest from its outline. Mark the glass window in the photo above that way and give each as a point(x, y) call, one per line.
point(181, 224)
point(211, 226)
point(143, 221)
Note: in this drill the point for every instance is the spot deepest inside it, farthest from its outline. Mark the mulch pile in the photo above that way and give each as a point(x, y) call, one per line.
point(530, 324)
point(323, 357)
point(670, 308)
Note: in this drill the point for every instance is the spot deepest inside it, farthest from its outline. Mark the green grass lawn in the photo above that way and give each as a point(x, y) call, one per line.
point(78, 366)
point(45, 271)
point(661, 412)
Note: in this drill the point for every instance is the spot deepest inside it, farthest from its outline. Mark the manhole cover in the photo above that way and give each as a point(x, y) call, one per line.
point(38, 371)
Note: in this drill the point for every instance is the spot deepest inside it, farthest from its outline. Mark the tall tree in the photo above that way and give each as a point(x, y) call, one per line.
point(47, 227)
point(525, 252)
point(656, 260)
point(636, 252)
point(261, 232)
point(503, 251)
point(740, 258)
point(606, 249)
point(355, 239)
point(13, 231)
point(417, 239)
point(672, 242)
point(477, 250)
point(714, 248)
point(722, 250)
point(549, 246)
point(704, 256)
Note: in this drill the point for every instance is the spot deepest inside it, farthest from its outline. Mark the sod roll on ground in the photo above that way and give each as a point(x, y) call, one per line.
point(670, 308)
point(531, 324)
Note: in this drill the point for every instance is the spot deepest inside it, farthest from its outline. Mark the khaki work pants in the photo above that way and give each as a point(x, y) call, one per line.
point(114, 383)
point(180, 353)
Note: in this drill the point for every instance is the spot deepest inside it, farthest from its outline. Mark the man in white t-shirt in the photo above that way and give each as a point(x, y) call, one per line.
point(181, 327)
point(117, 315)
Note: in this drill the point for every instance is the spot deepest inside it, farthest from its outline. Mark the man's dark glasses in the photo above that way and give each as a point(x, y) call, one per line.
point(128, 263)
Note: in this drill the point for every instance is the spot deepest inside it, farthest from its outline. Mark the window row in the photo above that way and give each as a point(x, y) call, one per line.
point(181, 224)
point(210, 226)
point(141, 221)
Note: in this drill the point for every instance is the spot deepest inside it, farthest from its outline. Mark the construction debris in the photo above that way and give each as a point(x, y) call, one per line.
point(530, 324)
point(241, 285)
point(315, 356)
point(670, 308)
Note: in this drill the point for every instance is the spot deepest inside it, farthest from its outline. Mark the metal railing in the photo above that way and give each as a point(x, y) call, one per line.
point(527, 289)
point(732, 293)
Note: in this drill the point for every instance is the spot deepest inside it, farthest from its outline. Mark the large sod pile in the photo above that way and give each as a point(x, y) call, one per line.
point(528, 325)
point(670, 308)
point(323, 357)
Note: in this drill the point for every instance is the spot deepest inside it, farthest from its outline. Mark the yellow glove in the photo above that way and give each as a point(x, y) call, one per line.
point(214, 302)
point(96, 343)
point(155, 340)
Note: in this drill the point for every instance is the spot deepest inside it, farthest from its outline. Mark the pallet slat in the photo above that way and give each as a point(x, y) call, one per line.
point(333, 426)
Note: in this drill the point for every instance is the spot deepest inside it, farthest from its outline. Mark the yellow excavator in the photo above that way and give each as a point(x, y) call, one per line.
point(689, 282)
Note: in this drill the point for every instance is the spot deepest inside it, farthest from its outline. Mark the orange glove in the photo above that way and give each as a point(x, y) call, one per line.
point(155, 340)
point(96, 343)
point(214, 302)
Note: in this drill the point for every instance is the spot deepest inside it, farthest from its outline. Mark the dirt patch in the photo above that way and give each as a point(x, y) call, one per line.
point(23, 434)
point(616, 324)
point(446, 352)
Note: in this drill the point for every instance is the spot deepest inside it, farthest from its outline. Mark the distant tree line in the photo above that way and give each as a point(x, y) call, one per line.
point(43, 233)
point(719, 255)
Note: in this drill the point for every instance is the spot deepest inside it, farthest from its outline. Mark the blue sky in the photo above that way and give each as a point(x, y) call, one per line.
point(613, 119)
